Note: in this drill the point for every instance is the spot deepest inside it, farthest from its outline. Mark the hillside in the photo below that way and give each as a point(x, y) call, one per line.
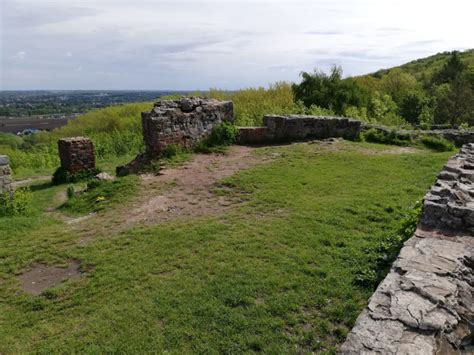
point(425, 67)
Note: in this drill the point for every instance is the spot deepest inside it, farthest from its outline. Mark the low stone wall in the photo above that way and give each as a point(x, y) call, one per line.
point(425, 304)
point(299, 127)
point(182, 122)
point(458, 137)
point(77, 154)
point(449, 205)
point(5, 175)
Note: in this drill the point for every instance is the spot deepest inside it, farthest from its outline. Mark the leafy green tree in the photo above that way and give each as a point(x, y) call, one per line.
point(455, 102)
point(412, 105)
point(330, 91)
point(381, 105)
point(452, 70)
point(398, 84)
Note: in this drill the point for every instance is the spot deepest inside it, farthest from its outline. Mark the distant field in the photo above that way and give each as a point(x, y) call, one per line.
point(15, 125)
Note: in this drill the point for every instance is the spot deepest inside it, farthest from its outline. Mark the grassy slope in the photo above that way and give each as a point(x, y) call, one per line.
point(275, 274)
point(429, 65)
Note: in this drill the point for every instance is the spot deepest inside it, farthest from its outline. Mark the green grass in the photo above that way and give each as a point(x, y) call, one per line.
point(437, 143)
point(275, 274)
point(100, 195)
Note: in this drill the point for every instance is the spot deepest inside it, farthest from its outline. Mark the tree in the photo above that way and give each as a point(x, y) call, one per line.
point(453, 88)
point(382, 105)
point(412, 105)
point(455, 103)
point(398, 84)
point(452, 70)
point(330, 91)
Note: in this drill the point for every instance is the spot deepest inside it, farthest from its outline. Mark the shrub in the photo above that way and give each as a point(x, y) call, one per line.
point(71, 191)
point(61, 176)
point(223, 134)
point(374, 135)
point(16, 203)
point(171, 151)
point(438, 144)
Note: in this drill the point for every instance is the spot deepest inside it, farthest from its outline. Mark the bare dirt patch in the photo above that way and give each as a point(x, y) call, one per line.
point(190, 187)
point(40, 276)
point(338, 144)
point(403, 150)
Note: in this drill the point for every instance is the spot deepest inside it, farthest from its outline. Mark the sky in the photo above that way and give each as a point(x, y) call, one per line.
point(201, 44)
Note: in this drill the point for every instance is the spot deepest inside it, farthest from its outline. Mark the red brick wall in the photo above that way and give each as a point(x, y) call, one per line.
point(77, 154)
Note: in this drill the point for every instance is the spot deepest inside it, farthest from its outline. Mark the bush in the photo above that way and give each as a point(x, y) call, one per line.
point(17, 203)
point(438, 144)
point(71, 191)
point(61, 176)
point(374, 135)
point(171, 151)
point(223, 134)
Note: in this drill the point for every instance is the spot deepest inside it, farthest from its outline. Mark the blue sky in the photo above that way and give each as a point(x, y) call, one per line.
point(181, 45)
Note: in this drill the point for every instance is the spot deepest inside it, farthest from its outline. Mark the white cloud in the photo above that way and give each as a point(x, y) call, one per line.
point(230, 44)
point(21, 55)
point(79, 68)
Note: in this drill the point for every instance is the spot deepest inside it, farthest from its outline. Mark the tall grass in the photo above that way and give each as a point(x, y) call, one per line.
point(115, 131)
point(250, 105)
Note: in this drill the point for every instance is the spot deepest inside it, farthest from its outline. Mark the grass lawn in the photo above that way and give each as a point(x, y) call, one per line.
point(274, 274)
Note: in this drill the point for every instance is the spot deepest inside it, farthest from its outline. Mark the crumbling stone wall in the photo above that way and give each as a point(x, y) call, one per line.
point(425, 304)
point(449, 205)
point(77, 154)
point(457, 136)
point(183, 122)
point(300, 127)
point(5, 174)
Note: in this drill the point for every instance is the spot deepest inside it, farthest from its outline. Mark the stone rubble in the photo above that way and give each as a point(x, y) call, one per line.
point(425, 305)
point(5, 175)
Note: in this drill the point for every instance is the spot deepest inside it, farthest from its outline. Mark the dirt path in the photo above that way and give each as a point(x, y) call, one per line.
point(188, 190)
point(29, 181)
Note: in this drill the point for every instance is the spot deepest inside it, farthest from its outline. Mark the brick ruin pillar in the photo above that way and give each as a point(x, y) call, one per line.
point(77, 154)
point(5, 175)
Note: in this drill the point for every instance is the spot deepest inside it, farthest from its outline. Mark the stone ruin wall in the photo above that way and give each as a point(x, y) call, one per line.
point(457, 136)
point(5, 175)
point(425, 305)
point(279, 128)
point(183, 122)
point(77, 154)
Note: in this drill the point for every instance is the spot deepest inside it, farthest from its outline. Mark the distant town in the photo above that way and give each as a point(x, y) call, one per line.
point(23, 112)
